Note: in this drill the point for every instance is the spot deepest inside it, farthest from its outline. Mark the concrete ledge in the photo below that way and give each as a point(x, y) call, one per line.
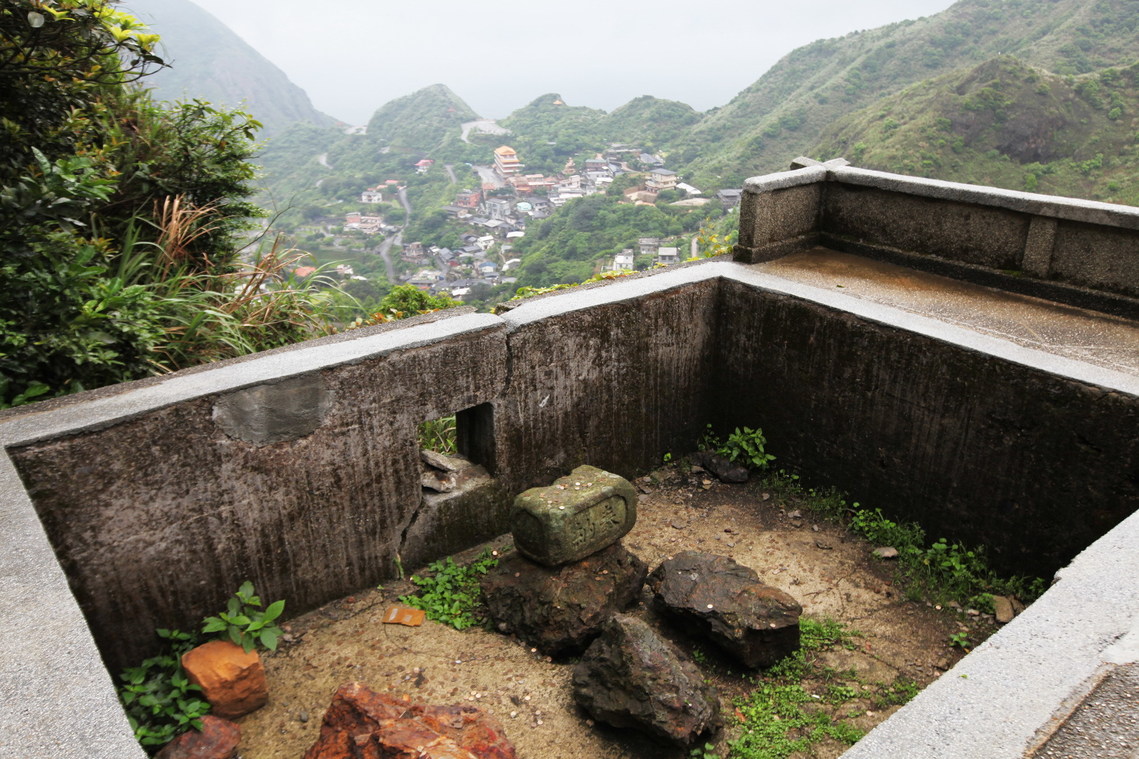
point(56, 699)
point(786, 179)
point(1080, 252)
point(24, 425)
point(1053, 206)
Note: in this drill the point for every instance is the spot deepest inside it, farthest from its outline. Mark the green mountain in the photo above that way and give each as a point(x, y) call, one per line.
point(651, 122)
point(209, 62)
point(420, 122)
point(1008, 124)
point(784, 113)
point(546, 132)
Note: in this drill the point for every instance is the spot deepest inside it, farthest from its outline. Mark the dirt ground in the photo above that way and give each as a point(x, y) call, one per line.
point(832, 574)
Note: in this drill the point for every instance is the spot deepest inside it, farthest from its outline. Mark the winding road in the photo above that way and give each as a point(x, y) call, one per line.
point(385, 247)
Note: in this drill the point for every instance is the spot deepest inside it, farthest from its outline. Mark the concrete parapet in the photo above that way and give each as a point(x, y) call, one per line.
point(1077, 251)
point(145, 505)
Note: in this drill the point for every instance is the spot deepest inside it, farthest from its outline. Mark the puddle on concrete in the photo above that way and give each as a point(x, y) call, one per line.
point(832, 574)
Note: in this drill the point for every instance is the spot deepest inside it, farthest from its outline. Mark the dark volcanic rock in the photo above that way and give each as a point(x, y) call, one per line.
point(720, 466)
point(364, 724)
point(715, 597)
point(632, 677)
point(559, 610)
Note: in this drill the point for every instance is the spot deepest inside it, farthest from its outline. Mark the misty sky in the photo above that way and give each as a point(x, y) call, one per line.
point(498, 55)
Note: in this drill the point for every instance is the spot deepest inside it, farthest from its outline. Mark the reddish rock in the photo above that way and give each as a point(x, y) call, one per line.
point(217, 739)
point(364, 724)
point(232, 680)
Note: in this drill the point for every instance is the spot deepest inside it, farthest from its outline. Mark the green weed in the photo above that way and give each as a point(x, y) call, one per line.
point(959, 640)
point(746, 447)
point(439, 435)
point(781, 716)
point(450, 593)
point(899, 692)
point(940, 571)
point(707, 751)
point(159, 699)
point(244, 622)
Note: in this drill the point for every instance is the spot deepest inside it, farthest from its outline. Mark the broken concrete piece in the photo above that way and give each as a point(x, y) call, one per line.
point(232, 680)
point(721, 466)
point(578, 515)
point(443, 463)
point(439, 481)
point(714, 597)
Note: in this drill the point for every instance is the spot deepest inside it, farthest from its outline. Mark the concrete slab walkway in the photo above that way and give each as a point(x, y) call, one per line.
point(1106, 341)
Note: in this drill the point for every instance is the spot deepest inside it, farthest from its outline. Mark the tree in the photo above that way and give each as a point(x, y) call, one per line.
point(120, 218)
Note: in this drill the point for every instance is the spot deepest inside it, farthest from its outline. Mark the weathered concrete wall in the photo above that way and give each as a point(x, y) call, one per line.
point(1075, 251)
point(299, 469)
point(616, 384)
point(975, 447)
point(781, 214)
point(308, 482)
point(158, 517)
point(960, 231)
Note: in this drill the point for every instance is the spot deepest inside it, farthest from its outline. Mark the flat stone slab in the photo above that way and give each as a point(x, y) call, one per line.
point(716, 598)
point(578, 515)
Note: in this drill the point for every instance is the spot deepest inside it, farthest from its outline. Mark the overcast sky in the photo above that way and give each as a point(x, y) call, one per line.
point(498, 55)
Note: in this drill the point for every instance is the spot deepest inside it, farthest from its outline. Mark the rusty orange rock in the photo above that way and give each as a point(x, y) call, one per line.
point(232, 680)
point(364, 724)
point(218, 739)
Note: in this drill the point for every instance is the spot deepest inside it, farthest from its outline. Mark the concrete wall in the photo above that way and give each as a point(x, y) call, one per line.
point(298, 469)
point(1012, 454)
point(1074, 251)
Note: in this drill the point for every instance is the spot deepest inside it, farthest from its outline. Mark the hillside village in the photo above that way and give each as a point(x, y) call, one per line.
point(495, 215)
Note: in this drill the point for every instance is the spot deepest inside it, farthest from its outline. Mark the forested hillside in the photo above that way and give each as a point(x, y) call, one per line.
point(1008, 124)
point(785, 112)
point(122, 218)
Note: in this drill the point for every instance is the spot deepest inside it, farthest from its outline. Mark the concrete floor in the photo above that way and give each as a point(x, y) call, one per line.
point(1106, 341)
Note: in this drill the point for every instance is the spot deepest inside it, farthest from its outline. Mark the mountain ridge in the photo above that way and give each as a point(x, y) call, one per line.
point(208, 61)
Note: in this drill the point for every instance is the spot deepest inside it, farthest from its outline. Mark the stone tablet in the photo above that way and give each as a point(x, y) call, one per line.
point(580, 514)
